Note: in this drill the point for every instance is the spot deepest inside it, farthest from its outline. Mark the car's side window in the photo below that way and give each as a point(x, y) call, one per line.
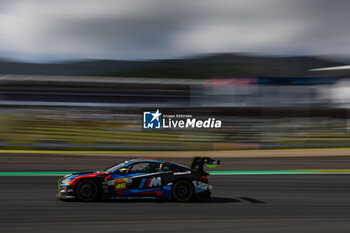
point(166, 168)
point(144, 167)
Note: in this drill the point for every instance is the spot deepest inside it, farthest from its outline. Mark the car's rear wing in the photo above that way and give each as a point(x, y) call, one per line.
point(198, 163)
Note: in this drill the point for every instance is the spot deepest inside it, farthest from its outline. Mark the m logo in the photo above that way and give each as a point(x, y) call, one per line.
point(151, 120)
point(156, 181)
point(151, 182)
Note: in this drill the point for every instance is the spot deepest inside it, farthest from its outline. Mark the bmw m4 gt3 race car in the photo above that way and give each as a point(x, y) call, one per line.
point(140, 179)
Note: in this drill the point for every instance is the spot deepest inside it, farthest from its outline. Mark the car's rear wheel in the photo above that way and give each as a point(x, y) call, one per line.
point(182, 191)
point(87, 190)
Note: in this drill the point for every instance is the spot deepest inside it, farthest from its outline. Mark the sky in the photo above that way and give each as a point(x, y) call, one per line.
point(155, 29)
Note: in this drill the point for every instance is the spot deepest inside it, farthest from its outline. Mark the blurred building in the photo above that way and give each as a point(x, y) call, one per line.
point(268, 92)
point(339, 93)
point(147, 92)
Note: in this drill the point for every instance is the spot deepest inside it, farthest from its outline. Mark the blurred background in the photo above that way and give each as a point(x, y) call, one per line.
point(77, 75)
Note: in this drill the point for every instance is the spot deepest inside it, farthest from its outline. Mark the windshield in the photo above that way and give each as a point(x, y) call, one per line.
point(115, 167)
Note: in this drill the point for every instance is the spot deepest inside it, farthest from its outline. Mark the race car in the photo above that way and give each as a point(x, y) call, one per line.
point(140, 179)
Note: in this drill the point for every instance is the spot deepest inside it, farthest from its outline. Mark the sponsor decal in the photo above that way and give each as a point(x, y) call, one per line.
point(120, 184)
point(151, 182)
point(157, 120)
point(182, 173)
point(157, 181)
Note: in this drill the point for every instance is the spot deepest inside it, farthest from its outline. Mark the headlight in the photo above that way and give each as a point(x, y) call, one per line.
point(66, 181)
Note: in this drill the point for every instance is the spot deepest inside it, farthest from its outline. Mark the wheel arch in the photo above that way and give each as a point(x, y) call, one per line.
point(94, 180)
point(186, 180)
point(183, 178)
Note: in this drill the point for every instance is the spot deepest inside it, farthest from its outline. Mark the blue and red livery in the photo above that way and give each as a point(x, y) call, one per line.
point(140, 179)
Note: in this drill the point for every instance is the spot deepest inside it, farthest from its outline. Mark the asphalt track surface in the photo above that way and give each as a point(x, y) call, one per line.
point(240, 203)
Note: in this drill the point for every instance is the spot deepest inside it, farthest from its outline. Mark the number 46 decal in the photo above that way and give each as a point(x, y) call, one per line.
point(120, 184)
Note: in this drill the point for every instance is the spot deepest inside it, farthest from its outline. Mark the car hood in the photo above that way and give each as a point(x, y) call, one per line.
point(79, 175)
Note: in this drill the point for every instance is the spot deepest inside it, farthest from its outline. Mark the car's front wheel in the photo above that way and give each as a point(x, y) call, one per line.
point(86, 190)
point(182, 191)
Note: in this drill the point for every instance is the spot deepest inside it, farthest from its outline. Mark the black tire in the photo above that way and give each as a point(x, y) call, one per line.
point(86, 190)
point(182, 191)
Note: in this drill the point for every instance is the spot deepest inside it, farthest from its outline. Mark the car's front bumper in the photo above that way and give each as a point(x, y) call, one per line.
point(65, 192)
point(65, 197)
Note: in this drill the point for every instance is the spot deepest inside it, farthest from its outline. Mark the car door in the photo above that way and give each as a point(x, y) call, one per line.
point(146, 176)
point(140, 178)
